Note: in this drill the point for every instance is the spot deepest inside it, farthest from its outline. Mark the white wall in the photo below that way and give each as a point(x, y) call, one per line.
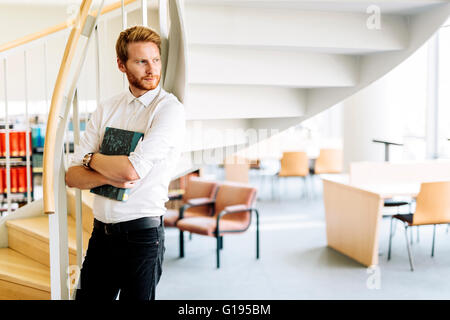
point(393, 109)
point(17, 21)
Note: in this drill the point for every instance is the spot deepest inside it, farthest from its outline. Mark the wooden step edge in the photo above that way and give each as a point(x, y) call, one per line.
point(15, 224)
point(45, 237)
point(9, 276)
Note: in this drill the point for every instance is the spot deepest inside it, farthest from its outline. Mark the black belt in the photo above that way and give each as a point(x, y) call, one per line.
point(133, 225)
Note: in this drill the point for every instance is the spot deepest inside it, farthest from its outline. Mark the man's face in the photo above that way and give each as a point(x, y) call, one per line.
point(143, 67)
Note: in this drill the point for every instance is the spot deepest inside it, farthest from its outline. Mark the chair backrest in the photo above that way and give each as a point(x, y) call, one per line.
point(230, 194)
point(433, 203)
point(199, 188)
point(236, 169)
point(294, 164)
point(329, 161)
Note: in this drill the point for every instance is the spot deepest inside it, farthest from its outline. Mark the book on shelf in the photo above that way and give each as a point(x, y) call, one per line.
point(117, 142)
point(14, 175)
point(17, 144)
point(14, 143)
point(2, 144)
point(2, 180)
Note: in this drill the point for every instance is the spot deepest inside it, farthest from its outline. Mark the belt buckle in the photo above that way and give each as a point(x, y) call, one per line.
point(105, 227)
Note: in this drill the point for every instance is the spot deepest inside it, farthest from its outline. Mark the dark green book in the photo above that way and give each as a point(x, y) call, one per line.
point(117, 142)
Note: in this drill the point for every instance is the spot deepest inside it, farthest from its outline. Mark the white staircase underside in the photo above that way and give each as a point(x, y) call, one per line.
point(343, 33)
point(256, 66)
point(273, 64)
point(261, 102)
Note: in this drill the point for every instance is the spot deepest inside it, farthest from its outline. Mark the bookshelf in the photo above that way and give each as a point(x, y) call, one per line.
point(18, 167)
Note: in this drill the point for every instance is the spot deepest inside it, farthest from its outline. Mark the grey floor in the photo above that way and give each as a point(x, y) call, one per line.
point(295, 261)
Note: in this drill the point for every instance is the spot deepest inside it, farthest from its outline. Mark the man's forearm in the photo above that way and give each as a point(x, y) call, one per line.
point(81, 178)
point(117, 168)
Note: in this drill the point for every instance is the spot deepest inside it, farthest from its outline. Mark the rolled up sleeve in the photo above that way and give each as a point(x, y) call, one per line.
point(164, 136)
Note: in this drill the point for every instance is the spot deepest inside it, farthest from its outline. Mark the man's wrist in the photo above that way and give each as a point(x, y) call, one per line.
point(87, 160)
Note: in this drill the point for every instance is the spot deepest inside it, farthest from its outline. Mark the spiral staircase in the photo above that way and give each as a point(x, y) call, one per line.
point(235, 64)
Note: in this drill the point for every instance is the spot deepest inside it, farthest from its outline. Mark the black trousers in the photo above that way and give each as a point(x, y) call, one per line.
point(129, 263)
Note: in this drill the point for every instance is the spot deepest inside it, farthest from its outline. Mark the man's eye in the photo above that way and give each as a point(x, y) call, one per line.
point(156, 60)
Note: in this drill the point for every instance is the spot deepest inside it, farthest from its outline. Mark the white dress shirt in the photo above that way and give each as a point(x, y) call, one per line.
point(161, 117)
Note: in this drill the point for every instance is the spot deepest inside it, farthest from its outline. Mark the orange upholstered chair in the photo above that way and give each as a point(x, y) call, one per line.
point(432, 208)
point(197, 193)
point(233, 208)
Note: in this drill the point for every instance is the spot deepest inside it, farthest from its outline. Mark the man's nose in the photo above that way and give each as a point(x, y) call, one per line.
point(149, 68)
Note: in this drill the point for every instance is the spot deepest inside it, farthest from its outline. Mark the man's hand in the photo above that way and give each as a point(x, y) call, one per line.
point(117, 168)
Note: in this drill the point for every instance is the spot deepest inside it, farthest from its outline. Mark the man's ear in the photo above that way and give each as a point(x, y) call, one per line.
point(121, 65)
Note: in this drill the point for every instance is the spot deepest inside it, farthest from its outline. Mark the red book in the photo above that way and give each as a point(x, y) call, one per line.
point(5, 186)
point(14, 143)
point(22, 143)
point(2, 144)
point(2, 180)
point(22, 179)
point(30, 147)
point(14, 179)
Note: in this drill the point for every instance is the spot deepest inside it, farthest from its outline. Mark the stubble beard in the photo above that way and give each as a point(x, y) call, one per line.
point(141, 83)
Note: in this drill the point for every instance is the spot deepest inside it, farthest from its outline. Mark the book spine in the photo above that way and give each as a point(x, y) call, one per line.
point(14, 179)
point(2, 180)
point(22, 179)
point(14, 143)
point(2, 144)
point(22, 143)
point(5, 186)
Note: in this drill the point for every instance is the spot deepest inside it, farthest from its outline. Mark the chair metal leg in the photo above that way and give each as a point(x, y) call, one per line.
point(221, 242)
point(181, 244)
point(390, 240)
point(395, 227)
point(218, 251)
point(408, 248)
point(257, 234)
point(434, 237)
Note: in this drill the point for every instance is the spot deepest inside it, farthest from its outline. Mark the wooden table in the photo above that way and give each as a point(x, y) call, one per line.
point(353, 215)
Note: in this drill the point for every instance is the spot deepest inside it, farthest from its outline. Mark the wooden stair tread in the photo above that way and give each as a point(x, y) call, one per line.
point(37, 227)
point(17, 268)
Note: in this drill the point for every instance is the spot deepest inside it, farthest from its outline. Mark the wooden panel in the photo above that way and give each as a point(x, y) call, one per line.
point(30, 237)
point(14, 291)
point(352, 221)
point(87, 205)
point(36, 249)
point(19, 269)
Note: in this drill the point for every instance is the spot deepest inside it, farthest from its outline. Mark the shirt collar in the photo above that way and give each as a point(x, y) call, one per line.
point(145, 99)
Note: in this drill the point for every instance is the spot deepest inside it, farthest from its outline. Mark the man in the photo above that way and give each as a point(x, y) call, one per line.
point(126, 249)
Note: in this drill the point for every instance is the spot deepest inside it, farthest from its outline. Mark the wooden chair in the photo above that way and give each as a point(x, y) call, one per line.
point(432, 208)
point(232, 214)
point(328, 161)
point(294, 164)
point(197, 191)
